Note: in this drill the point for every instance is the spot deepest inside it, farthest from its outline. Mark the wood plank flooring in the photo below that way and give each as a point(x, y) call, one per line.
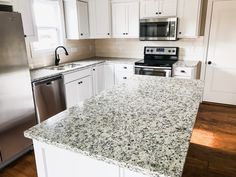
point(212, 152)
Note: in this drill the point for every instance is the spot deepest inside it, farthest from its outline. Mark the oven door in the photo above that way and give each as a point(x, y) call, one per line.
point(160, 29)
point(153, 71)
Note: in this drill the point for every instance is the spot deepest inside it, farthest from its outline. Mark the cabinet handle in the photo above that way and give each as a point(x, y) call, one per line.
point(81, 34)
point(156, 13)
point(182, 71)
point(180, 32)
point(81, 82)
point(209, 62)
point(93, 69)
point(160, 13)
point(108, 34)
point(125, 67)
point(126, 33)
point(124, 77)
point(123, 33)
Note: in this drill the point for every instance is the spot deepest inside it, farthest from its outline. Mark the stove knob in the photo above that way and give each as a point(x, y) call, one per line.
point(147, 50)
point(151, 50)
point(169, 51)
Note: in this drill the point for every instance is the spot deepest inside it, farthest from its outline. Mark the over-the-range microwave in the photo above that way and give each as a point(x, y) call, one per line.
point(158, 29)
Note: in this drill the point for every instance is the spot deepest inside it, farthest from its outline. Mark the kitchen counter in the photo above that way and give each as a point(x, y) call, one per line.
point(42, 73)
point(144, 126)
point(188, 64)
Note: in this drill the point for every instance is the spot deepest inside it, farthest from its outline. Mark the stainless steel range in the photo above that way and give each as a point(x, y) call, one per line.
point(158, 61)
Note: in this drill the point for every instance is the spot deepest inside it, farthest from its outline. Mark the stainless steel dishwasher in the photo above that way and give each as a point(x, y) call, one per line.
point(49, 97)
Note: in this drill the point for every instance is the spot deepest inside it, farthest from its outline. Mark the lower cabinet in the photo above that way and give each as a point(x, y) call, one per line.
point(83, 84)
point(78, 86)
point(98, 78)
point(123, 72)
point(55, 162)
point(109, 76)
point(78, 91)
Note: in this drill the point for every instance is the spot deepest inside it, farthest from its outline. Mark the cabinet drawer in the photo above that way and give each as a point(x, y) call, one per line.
point(183, 71)
point(76, 75)
point(124, 69)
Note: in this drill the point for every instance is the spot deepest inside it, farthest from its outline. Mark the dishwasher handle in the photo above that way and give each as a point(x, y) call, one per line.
point(48, 81)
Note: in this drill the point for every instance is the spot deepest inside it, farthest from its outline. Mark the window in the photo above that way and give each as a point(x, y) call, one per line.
point(48, 23)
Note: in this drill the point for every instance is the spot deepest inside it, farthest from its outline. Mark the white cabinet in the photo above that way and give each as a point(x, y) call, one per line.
point(125, 19)
point(76, 19)
point(158, 8)
point(189, 13)
point(78, 86)
point(55, 162)
point(100, 19)
point(123, 72)
point(98, 78)
point(109, 74)
point(25, 7)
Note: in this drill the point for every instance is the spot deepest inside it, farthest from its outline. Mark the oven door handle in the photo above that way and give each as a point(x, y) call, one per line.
point(153, 68)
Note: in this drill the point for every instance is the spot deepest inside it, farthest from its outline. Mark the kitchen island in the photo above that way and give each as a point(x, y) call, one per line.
point(138, 129)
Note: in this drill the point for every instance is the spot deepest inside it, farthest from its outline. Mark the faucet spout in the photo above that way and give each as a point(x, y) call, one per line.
point(57, 57)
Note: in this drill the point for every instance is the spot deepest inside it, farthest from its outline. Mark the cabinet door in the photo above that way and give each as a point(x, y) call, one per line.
point(78, 91)
point(189, 12)
point(85, 89)
point(119, 20)
point(83, 19)
point(149, 8)
point(109, 75)
point(167, 8)
point(25, 7)
point(133, 19)
point(98, 79)
point(100, 21)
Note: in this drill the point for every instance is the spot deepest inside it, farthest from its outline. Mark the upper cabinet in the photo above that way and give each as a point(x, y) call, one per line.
point(76, 19)
point(189, 14)
point(100, 18)
point(25, 7)
point(158, 8)
point(125, 19)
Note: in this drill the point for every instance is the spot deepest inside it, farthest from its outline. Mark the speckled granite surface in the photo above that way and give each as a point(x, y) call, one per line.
point(186, 64)
point(145, 125)
point(42, 73)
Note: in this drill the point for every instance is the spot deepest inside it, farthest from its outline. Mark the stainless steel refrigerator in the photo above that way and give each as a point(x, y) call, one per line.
point(17, 111)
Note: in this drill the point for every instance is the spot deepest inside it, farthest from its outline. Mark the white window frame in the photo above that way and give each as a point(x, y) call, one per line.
point(43, 52)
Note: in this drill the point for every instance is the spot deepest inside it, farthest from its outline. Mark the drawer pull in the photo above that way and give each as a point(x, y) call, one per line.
point(81, 82)
point(124, 77)
point(182, 71)
point(125, 67)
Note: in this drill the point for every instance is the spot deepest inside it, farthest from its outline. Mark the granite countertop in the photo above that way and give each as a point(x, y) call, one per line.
point(42, 73)
point(144, 125)
point(188, 64)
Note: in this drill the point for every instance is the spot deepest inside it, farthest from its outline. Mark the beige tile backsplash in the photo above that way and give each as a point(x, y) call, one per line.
point(190, 49)
point(78, 49)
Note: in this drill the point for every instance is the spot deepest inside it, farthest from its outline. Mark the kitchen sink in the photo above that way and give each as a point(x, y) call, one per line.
point(64, 67)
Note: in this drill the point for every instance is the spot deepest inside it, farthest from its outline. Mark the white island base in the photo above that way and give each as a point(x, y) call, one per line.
point(55, 162)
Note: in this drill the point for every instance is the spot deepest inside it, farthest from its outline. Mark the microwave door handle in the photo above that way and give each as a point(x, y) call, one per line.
point(168, 29)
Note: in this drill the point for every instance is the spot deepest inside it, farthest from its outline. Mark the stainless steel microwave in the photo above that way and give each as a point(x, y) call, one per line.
point(158, 29)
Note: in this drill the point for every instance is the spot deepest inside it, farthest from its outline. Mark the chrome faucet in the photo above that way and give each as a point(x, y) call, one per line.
point(57, 57)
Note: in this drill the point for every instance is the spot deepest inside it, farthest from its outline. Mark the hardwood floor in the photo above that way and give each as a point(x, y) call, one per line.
point(23, 167)
point(212, 152)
